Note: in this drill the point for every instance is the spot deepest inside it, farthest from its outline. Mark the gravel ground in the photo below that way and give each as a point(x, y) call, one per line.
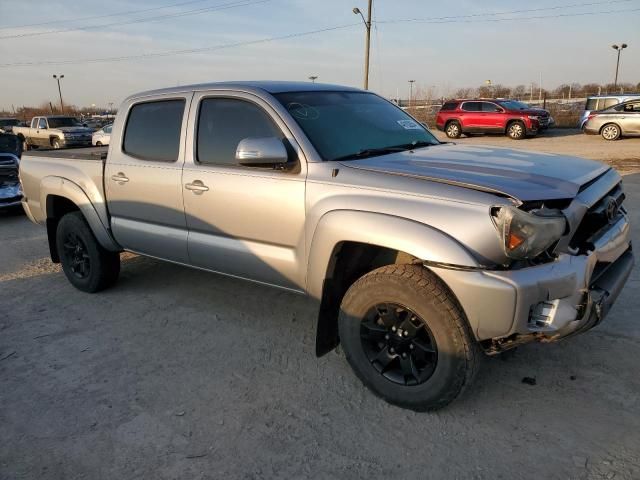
point(176, 373)
point(624, 154)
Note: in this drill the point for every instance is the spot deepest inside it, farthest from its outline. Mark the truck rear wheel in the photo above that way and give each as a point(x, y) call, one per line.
point(406, 338)
point(453, 129)
point(86, 264)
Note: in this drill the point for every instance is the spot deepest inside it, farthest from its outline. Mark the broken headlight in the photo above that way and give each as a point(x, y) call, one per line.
point(528, 234)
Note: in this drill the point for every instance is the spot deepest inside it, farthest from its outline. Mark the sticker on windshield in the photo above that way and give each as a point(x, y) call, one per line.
point(303, 111)
point(409, 125)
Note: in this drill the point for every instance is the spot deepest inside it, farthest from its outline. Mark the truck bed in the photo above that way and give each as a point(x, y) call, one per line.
point(81, 153)
point(74, 168)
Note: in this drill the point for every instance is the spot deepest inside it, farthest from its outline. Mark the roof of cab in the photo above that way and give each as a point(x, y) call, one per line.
point(270, 86)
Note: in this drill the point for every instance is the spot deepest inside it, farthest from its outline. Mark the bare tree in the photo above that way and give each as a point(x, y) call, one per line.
point(464, 93)
point(519, 92)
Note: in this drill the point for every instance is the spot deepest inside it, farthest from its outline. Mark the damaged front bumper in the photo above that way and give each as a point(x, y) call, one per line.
point(10, 195)
point(546, 302)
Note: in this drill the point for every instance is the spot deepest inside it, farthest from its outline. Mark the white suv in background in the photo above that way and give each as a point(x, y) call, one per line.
point(102, 136)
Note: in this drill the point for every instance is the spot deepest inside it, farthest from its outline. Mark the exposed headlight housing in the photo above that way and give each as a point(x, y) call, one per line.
point(528, 234)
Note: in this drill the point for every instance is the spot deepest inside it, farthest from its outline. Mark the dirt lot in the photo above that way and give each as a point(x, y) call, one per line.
point(624, 154)
point(176, 373)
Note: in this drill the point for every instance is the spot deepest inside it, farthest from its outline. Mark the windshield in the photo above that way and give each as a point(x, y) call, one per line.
point(514, 105)
point(63, 122)
point(353, 124)
point(9, 122)
point(10, 144)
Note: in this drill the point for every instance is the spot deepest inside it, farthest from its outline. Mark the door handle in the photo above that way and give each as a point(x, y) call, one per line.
point(196, 187)
point(120, 178)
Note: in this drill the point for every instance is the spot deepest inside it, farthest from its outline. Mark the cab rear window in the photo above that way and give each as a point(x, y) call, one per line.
point(153, 130)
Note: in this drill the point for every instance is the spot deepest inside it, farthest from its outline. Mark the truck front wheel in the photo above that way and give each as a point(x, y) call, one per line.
point(406, 338)
point(86, 264)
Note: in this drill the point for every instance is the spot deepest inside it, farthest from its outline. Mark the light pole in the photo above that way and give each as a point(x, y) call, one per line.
point(411, 82)
point(58, 78)
point(313, 78)
point(489, 85)
point(367, 24)
point(619, 48)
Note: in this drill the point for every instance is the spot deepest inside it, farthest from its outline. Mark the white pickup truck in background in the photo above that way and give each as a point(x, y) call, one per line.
point(55, 131)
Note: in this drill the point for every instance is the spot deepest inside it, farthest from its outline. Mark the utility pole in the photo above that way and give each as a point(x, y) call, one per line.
point(540, 95)
point(367, 24)
point(411, 82)
point(58, 78)
point(619, 48)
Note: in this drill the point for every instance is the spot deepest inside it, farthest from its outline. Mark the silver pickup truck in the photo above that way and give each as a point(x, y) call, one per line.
point(54, 131)
point(422, 256)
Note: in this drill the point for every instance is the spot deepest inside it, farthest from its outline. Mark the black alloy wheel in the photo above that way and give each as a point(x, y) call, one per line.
point(398, 344)
point(77, 256)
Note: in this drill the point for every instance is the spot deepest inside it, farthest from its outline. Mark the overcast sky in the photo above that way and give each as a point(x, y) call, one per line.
point(463, 50)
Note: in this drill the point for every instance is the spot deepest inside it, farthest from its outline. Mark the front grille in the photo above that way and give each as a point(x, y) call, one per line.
point(8, 174)
point(607, 210)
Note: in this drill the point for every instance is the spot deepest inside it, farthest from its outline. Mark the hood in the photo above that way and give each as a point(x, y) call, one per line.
point(532, 111)
point(74, 129)
point(525, 176)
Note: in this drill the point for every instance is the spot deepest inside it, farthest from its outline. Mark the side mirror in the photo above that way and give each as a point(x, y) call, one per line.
point(261, 151)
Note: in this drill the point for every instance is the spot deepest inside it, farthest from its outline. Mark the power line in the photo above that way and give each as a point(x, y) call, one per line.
point(538, 17)
point(78, 19)
point(276, 38)
point(177, 52)
point(510, 12)
point(224, 6)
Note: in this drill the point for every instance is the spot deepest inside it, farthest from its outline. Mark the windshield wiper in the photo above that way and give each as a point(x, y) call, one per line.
point(369, 152)
point(413, 145)
point(372, 152)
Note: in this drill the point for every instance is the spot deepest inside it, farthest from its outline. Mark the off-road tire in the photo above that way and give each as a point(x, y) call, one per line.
point(453, 129)
point(516, 130)
point(103, 265)
point(418, 289)
point(610, 132)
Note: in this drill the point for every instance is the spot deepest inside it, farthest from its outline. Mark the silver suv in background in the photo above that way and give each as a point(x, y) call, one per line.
point(623, 120)
point(602, 102)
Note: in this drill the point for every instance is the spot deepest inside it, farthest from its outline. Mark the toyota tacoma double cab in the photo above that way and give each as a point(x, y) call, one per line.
point(515, 119)
point(54, 131)
point(422, 256)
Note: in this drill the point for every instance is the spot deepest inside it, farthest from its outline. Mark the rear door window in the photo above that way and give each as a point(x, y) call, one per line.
point(607, 103)
point(472, 106)
point(153, 130)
